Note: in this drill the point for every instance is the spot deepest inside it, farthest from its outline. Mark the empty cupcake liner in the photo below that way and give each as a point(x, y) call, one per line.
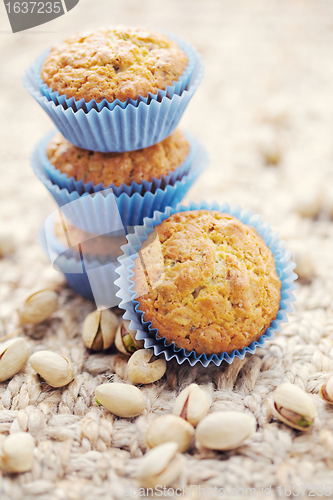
point(145, 332)
point(99, 212)
point(89, 276)
point(176, 88)
point(125, 127)
point(69, 183)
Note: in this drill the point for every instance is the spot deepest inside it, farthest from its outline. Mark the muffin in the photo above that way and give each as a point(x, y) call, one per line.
point(207, 282)
point(118, 168)
point(113, 63)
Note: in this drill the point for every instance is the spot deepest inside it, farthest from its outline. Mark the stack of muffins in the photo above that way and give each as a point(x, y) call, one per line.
point(116, 96)
point(203, 283)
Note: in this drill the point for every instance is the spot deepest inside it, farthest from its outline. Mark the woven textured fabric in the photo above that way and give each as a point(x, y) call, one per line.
point(263, 112)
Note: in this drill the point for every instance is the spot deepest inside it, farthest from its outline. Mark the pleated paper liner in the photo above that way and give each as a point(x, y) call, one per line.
point(91, 276)
point(93, 212)
point(69, 183)
point(145, 332)
point(125, 127)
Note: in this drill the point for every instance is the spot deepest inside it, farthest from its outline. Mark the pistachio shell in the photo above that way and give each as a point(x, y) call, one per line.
point(166, 477)
point(14, 354)
point(99, 329)
point(7, 243)
point(141, 370)
point(125, 340)
point(123, 400)
point(55, 369)
point(294, 407)
point(169, 428)
point(192, 404)
point(156, 460)
point(90, 327)
point(326, 390)
point(38, 307)
point(225, 430)
point(17, 452)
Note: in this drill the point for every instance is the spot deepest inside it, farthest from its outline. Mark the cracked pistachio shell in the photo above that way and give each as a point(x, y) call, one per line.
point(99, 329)
point(123, 400)
point(38, 307)
point(7, 243)
point(17, 452)
point(192, 404)
point(144, 368)
point(125, 339)
point(326, 391)
point(294, 407)
point(54, 368)
point(225, 430)
point(160, 466)
point(169, 428)
point(14, 354)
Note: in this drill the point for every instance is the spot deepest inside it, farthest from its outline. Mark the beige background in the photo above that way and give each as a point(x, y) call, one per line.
point(265, 113)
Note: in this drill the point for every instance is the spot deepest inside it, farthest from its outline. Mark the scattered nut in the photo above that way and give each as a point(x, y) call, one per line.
point(125, 339)
point(38, 307)
point(120, 365)
point(122, 400)
point(326, 390)
point(14, 354)
point(225, 430)
point(192, 404)
point(55, 369)
point(17, 452)
point(144, 368)
point(294, 407)
point(169, 428)
point(99, 329)
point(308, 197)
point(303, 258)
point(7, 243)
point(160, 466)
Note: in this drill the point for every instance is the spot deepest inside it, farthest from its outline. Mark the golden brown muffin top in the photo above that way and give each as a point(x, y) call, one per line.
point(113, 63)
point(207, 282)
point(118, 168)
point(91, 244)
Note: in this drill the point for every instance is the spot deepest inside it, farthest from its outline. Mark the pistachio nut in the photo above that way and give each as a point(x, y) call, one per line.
point(54, 368)
point(169, 428)
point(17, 452)
point(144, 368)
point(99, 329)
point(225, 430)
point(38, 307)
point(326, 390)
point(125, 340)
point(7, 243)
point(120, 399)
point(160, 466)
point(294, 407)
point(120, 365)
point(14, 354)
point(192, 404)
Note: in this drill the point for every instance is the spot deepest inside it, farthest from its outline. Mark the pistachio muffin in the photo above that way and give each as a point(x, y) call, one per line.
point(118, 168)
point(207, 282)
point(113, 63)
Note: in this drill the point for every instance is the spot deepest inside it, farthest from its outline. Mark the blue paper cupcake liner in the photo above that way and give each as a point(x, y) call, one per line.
point(125, 127)
point(89, 276)
point(63, 181)
point(145, 332)
point(96, 213)
point(176, 88)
